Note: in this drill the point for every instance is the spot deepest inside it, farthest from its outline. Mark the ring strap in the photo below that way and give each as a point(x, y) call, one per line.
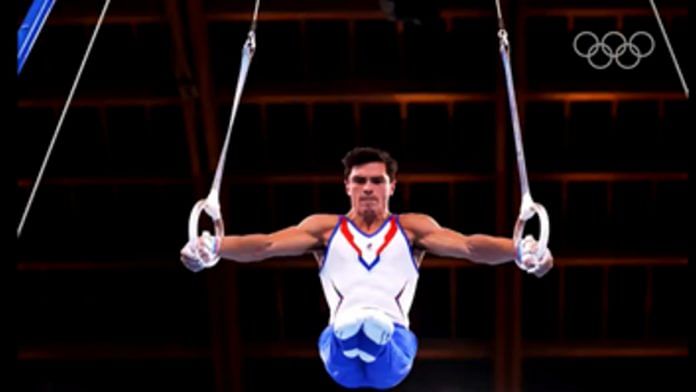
point(211, 204)
point(528, 208)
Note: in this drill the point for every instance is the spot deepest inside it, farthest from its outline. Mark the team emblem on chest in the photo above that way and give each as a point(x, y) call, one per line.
point(369, 248)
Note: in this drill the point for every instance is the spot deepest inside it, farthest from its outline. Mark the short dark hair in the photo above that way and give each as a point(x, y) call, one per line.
point(363, 155)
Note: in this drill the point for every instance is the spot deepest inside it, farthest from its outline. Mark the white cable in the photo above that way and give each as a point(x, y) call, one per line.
point(671, 52)
point(62, 117)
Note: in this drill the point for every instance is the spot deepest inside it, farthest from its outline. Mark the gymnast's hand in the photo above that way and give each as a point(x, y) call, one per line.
point(202, 252)
point(528, 260)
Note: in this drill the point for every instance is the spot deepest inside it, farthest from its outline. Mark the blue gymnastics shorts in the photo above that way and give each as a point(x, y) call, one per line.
point(392, 364)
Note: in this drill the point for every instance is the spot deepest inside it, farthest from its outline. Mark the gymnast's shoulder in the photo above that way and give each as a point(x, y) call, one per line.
point(318, 223)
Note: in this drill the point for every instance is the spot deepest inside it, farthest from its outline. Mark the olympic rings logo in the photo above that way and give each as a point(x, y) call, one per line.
point(627, 54)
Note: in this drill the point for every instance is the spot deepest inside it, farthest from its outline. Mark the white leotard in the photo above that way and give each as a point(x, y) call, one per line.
point(375, 270)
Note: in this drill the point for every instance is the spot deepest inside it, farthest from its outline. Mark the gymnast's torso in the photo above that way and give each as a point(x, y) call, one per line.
point(378, 269)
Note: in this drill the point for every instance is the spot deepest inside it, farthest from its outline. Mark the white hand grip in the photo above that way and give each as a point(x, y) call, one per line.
point(529, 209)
point(214, 212)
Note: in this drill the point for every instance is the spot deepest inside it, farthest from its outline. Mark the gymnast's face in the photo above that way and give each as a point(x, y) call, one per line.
point(369, 188)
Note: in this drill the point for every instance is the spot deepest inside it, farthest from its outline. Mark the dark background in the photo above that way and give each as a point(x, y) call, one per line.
point(103, 303)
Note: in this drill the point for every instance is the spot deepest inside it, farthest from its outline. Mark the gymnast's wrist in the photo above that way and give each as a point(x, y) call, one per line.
point(518, 253)
point(217, 245)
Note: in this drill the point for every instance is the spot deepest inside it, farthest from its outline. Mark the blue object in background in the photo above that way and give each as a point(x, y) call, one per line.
point(30, 28)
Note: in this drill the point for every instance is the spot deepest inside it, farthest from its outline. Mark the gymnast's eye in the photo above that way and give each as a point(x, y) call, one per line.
point(358, 180)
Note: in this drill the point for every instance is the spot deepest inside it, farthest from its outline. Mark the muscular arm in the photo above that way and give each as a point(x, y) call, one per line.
point(479, 248)
point(291, 241)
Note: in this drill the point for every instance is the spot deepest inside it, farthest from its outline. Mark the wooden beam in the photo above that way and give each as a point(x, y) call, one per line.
point(620, 261)
point(106, 181)
point(317, 14)
point(429, 349)
point(603, 12)
point(634, 349)
point(591, 96)
point(504, 194)
point(302, 94)
point(105, 99)
point(107, 351)
point(198, 31)
point(222, 286)
point(333, 10)
point(51, 266)
point(188, 91)
point(87, 18)
point(308, 262)
point(404, 178)
point(307, 178)
point(610, 176)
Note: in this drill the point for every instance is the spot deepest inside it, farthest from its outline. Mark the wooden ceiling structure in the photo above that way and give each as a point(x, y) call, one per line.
point(104, 301)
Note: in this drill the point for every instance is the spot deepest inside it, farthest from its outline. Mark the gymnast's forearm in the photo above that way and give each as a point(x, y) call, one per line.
point(478, 248)
point(245, 248)
point(486, 249)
